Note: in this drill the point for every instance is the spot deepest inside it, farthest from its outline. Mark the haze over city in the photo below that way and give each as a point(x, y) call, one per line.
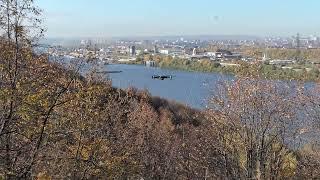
point(112, 18)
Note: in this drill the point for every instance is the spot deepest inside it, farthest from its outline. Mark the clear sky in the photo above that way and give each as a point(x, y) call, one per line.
point(111, 18)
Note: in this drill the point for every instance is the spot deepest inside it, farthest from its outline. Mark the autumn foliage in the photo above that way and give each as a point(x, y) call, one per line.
point(57, 124)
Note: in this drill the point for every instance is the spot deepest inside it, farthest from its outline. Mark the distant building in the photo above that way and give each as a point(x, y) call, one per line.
point(265, 57)
point(222, 54)
point(164, 51)
point(177, 52)
point(210, 54)
point(233, 57)
point(155, 49)
point(138, 51)
point(247, 59)
point(83, 42)
point(132, 50)
point(194, 52)
point(281, 62)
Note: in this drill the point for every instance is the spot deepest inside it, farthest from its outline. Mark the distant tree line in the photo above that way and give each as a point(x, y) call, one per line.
point(206, 65)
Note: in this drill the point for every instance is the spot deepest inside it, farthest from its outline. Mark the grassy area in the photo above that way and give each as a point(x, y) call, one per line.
point(197, 66)
point(298, 72)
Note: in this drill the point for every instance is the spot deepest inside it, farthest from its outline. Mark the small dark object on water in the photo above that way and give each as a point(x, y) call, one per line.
point(161, 77)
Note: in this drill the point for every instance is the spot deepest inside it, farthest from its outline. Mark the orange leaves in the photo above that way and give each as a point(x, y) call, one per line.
point(43, 176)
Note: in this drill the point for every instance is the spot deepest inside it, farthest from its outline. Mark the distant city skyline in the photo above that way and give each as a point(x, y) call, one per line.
point(124, 18)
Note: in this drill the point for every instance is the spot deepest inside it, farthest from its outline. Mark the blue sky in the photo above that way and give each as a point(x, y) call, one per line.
point(112, 18)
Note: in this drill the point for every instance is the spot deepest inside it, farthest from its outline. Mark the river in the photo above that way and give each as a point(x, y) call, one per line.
point(190, 88)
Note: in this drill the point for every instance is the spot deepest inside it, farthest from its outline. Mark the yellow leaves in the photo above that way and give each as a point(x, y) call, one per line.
point(276, 147)
point(117, 165)
point(115, 161)
point(43, 176)
point(2, 67)
point(85, 152)
point(288, 159)
point(40, 99)
point(32, 98)
point(289, 165)
point(5, 93)
point(82, 150)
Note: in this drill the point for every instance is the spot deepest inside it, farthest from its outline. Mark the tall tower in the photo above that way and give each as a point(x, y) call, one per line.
point(156, 50)
point(265, 56)
point(132, 50)
point(89, 44)
point(194, 52)
point(298, 50)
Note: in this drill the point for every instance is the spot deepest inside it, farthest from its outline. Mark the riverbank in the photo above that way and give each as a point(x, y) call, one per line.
point(297, 72)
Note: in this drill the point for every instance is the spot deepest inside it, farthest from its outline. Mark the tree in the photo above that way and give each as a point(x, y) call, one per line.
point(258, 120)
point(18, 22)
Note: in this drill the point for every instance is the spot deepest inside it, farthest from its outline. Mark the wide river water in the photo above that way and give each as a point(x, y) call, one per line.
point(190, 88)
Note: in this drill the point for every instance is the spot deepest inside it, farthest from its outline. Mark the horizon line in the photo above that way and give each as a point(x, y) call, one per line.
point(173, 35)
